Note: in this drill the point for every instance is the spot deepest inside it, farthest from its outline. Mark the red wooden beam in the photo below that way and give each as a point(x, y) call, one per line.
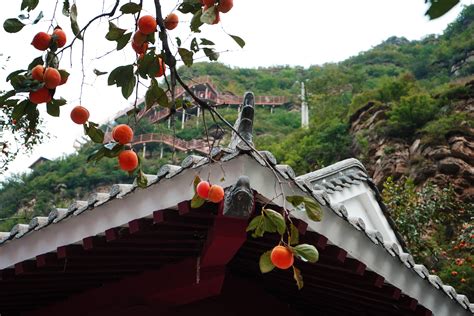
point(408, 302)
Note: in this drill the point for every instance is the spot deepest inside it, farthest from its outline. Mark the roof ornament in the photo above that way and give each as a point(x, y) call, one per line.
point(239, 199)
point(244, 124)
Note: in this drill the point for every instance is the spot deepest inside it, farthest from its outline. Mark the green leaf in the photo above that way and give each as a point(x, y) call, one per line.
point(98, 73)
point(254, 223)
point(257, 224)
point(313, 209)
point(14, 74)
point(124, 78)
point(298, 278)
point(130, 8)
point(37, 61)
point(123, 41)
point(155, 94)
point(295, 200)
point(29, 5)
point(74, 26)
point(113, 149)
point(148, 65)
point(13, 25)
point(64, 74)
point(440, 7)
point(306, 252)
point(190, 6)
point(114, 32)
point(142, 181)
point(186, 56)
point(197, 201)
point(59, 102)
point(210, 53)
point(276, 219)
point(196, 181)
point(38, 18)
point(295, 235)
point(238, 40)
point(265, 262)
point(196, 22)
point(66, 11)
point(52, 60)
point(52, 109)
point(194, 45)
point(127, 89)
point(209, 16)
point(205, 41)
point(95, 133)
point(6, 96)
point(20, 109)
point(96, 154)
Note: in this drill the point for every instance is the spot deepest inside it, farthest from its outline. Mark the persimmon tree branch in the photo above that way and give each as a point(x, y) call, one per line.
point(109, 14)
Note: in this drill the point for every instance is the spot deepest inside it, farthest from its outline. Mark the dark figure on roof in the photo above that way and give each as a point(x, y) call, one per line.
point(239, 199)
point(244, 124)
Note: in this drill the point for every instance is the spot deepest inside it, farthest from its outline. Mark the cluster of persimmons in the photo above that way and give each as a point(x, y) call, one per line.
point(50, 76)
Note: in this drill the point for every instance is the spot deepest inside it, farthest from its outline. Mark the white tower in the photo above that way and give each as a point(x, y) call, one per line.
point(304, 109)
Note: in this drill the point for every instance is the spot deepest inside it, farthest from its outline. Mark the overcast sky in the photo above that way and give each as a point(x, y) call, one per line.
point(277, 32)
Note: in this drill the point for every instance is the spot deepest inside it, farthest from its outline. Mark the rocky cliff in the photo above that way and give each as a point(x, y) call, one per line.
point(449, 161)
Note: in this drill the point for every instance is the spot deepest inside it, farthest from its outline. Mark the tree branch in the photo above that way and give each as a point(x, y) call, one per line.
point(109, 14)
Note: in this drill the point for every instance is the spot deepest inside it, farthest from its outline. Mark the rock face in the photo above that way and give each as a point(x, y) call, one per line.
point(451, 162)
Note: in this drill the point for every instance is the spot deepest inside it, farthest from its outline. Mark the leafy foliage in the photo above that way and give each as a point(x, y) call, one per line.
point(437, 227)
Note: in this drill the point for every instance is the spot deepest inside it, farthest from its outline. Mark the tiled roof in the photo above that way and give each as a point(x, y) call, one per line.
point(344, 174)
point(320, 184)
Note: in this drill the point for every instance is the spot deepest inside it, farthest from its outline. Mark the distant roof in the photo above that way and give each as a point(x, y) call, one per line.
point(37, 162)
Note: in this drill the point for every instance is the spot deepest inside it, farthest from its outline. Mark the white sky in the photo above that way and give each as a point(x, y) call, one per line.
point(277, 32)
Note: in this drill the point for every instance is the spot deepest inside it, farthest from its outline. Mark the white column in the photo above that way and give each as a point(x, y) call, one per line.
point(197, 115)
point(183, 118)
point(161, 151)
point(304, 108)
point(144, 150)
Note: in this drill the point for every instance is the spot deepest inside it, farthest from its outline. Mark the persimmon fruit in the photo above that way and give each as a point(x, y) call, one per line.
point(140, 49)
point(171, 21)
point(202, 189)
point(64, 77)
point(51, 78)
point(41, 95)
point(282, 257)
point(139, 38)
point(79, 114)
point(162, 69)
point(59, 36)
point(37, 73)
point(128, 160)
point(224, 6)
point(147, 24)
point(208, 3)
point(216, 193)
point(41, 41)
point(122, 134)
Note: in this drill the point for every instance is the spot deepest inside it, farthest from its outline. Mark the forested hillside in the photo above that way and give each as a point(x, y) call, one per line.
point(405, 108)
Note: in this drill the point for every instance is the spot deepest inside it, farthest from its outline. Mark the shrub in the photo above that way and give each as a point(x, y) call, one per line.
point(411, 113)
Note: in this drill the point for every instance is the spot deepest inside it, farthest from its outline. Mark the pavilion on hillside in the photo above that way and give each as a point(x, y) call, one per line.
point(145, 251)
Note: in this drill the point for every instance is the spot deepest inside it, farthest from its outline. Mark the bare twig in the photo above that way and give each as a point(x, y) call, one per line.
point(109, 14)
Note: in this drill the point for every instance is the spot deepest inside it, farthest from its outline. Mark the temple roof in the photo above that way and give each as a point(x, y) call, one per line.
point(169, 191)
point(152, 241)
